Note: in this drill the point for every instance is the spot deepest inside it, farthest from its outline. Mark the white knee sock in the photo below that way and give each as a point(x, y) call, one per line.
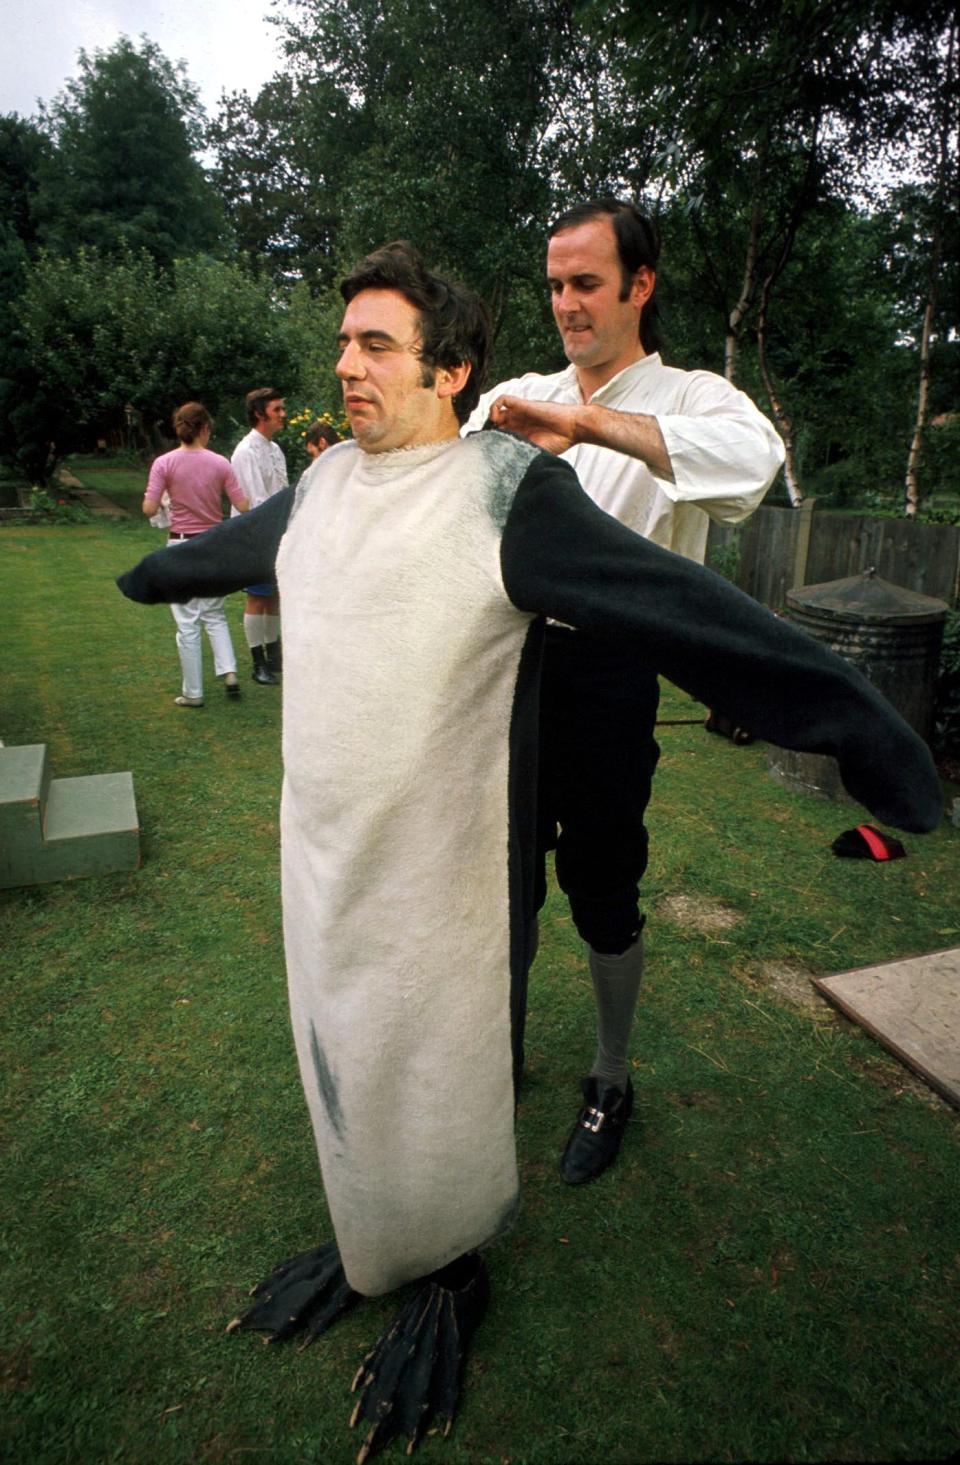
point(616, 986)
point(271, 629)
point(253, 630)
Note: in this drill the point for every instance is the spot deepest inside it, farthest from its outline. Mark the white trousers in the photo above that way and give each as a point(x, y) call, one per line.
point(190, 616)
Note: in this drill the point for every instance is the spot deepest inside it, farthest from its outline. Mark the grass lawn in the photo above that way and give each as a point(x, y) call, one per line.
point(771, 1272)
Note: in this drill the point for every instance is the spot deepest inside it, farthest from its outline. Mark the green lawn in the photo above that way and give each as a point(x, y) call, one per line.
point(122, 483)
point(770, 1272)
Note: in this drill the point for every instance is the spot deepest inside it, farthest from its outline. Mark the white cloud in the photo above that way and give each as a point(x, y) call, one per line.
point(228, 45)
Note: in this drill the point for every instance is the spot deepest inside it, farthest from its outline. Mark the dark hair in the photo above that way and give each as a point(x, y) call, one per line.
point(190, 420)
point(454, 325)
point(322, 432)
point(638, 244)
point(258, 402)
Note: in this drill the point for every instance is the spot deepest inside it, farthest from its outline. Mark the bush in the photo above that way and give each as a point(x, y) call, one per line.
point(723, 556)
point(57, 509)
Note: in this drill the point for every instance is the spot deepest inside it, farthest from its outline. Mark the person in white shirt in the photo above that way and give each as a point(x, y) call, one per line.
point(663, 451)
point(261, 468)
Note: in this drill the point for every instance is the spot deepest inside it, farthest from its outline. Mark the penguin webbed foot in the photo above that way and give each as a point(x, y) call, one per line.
point(412, 1374)
point(306, 1293)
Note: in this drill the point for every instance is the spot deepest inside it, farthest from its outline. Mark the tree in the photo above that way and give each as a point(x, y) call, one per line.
point(97, 333)
point(461, 126)
point(937, 77)
point(466, 126)
point(23, 152)
point(283, 161)
point(776, 108)
point(123, 173)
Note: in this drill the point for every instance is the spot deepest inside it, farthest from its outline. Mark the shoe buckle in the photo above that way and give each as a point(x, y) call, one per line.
point(592, 1120)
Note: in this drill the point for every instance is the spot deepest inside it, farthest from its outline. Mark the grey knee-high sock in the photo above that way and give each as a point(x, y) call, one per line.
point(616, 984)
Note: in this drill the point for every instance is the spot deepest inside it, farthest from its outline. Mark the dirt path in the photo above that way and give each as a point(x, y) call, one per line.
point(89, 497)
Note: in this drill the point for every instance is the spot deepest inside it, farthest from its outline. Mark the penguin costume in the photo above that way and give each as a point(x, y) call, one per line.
point(415, 583)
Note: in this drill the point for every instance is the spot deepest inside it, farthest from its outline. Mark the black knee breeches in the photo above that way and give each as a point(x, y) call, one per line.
point(598, 707)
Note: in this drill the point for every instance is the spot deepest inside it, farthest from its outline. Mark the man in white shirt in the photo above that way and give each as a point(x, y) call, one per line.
point(663, 451)
point(261, 468)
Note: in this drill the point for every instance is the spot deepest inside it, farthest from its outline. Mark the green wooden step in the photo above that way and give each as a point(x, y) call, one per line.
point(24, 781)
point(63, 828)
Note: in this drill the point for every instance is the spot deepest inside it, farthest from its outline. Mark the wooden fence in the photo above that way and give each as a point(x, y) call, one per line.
point(778, 549)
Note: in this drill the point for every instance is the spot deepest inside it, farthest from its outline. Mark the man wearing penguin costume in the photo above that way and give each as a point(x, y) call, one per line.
point(416, 569)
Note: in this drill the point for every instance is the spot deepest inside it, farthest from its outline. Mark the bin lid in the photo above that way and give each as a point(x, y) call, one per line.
point(866, 598)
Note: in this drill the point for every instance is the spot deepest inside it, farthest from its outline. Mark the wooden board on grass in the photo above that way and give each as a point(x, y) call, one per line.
point(913, 1008)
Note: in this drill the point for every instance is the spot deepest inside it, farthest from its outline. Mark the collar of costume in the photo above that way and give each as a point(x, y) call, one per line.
point(394, 463)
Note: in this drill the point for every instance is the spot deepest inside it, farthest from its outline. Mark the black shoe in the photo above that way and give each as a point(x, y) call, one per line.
point(274, 657)
point(594, 1142)
point(261, 672)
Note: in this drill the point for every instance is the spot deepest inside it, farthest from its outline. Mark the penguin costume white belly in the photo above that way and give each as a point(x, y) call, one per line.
point(395, 833)
point(413, 586)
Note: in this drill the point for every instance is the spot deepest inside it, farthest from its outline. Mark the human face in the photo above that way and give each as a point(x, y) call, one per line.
point(391, 399)
point(274, 419)
point(600, 332)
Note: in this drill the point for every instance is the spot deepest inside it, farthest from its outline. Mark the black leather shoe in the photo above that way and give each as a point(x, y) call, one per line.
point(594, 1142)
point(261, 672)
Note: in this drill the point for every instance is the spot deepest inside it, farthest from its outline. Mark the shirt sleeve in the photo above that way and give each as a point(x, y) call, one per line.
point(247, 471)
point(238, 552)
point(562, 556)
point(232, 486)
point(156, 481)
point(723, 451)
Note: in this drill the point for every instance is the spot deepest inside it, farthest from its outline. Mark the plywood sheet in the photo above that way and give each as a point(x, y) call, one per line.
point(913, 1008)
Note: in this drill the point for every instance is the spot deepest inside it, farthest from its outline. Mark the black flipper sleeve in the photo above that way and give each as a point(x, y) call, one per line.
point(238, 552)
point(562, 556)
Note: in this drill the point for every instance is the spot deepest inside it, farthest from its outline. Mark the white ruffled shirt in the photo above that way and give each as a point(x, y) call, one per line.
point(260, 466)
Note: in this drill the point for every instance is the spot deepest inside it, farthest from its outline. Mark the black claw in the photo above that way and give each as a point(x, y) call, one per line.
point(447, 1379)
point(305, 1293)
point(412, 1374)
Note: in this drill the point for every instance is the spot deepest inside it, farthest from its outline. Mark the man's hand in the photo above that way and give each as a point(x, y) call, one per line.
point(549, 425)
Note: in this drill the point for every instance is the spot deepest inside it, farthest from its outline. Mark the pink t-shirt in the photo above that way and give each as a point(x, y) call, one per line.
point(194, 478)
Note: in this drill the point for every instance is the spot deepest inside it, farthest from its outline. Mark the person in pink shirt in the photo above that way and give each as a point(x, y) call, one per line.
point(195, 481)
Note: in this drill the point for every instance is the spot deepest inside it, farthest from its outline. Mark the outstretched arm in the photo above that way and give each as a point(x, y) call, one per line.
point(236, 553)
point(562, 556)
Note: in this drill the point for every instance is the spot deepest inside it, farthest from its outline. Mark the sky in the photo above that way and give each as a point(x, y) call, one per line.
point(228, 45)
